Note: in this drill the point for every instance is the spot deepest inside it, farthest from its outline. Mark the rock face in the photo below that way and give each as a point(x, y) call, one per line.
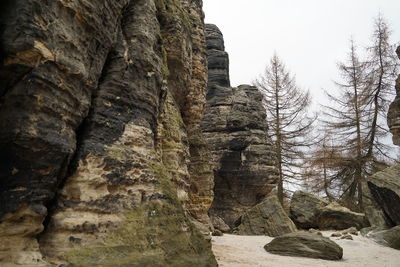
point(100, 147)
point(303, 244)
point(235, 128)
point(384, 186)
point(305, 208)
point(389, 238)
point(393, 117)
point(266, 218)
point(218, 59)
point(334, 216)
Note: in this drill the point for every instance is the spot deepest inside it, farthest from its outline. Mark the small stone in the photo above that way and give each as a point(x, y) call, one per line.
point(348, 237)
point(351, 230)
point(217, 232)
point(336, 234)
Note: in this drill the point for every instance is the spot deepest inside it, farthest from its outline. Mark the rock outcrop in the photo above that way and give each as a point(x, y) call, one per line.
point(310, 211)
point(386, 237)
point(102, 158)
point(235, 128)
point(334, 216)
point(393, 117)
point(303, 244)
point(266, 218)
point(305, 208)
point(384, 186)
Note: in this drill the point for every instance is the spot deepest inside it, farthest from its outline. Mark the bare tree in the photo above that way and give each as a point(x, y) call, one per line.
point(357, 114)
point(289, 124)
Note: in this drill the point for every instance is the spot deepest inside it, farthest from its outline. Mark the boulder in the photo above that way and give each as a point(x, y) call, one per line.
point(334, 216)
point(219, 224)
point(266, 218)
point(389, 238)
point(303, 244)
point(373, 212)
point(304, 209)
point(385, 189)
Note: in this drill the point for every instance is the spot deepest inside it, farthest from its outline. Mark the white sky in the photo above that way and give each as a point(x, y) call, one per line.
point(310, 36)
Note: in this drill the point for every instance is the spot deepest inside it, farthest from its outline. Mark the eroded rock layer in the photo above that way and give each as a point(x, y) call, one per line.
point(235, 128)
point(101, 154)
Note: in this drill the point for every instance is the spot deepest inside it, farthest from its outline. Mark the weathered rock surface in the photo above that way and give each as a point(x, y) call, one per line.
point(266, 218)
point(219, 224)
point(373, 212)
point(218, 59)
point(305, 208)
point(393, 117)
point(303, 244)
point(334, 216)
point(384, 186)
point(388, 237)
point(235, 129)
point(100, 147)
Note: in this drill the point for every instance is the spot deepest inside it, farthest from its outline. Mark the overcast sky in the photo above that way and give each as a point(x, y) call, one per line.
point(310, 36)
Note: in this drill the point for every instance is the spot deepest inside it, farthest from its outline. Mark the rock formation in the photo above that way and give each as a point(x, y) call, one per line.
point(393, 117)
point(304, 209)
point(100, 147)
point(334, 216)
point(310, 211)
point(384, 186)
point(234, 126)
point(303, 244)
point(266, 218)
point(386, 237)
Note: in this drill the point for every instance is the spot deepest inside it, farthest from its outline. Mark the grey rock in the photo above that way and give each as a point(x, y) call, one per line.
point(389, 237)
point(235, 128)
point(348, 237)
point(334, 216)
point(219, 224)
point(266, 218)
point(303, 244)
point(305, 208)
point(336, 234)
point(218, 59)
point(384, 186)
point(373, 212)
point(393, 118)
point(351, 230)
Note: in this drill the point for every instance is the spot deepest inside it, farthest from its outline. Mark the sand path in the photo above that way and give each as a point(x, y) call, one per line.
point(235, 251)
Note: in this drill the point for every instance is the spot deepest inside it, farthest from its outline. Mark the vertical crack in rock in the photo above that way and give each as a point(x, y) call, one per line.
point(235, 128)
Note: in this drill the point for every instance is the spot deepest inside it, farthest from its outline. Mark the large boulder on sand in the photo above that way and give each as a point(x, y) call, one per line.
point(389, 237)
point(304, 209)
point(303, 244)
point(266, 218)
point(337, 217)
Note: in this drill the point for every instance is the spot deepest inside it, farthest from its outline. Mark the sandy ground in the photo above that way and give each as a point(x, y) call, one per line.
point(233, 250)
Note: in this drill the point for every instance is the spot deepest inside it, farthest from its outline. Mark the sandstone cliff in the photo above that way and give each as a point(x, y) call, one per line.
point(102, 159)
point(234, 126)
